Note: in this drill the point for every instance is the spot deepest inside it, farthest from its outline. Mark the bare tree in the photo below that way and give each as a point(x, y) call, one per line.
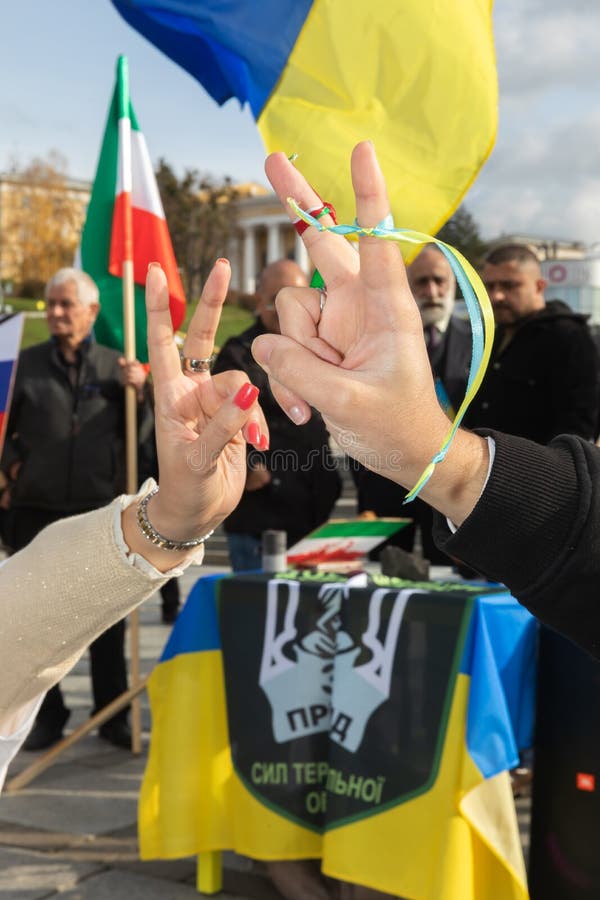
point(42, 220)
point(201, 216)
point(462, 231)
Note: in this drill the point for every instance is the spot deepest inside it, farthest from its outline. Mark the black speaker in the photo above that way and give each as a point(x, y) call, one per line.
point(564, 862)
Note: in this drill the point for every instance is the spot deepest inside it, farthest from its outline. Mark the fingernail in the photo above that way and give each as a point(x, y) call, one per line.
point(297, 415)
point(246, 396)
point(263, 443)
point(262, 348)
point(223, 260)
point(154, 265)
point(253, 433)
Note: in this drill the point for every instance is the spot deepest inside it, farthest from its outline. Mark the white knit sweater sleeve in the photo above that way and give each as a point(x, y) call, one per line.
point(71, 583)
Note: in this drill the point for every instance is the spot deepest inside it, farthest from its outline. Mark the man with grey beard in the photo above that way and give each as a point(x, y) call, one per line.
point(448, 340)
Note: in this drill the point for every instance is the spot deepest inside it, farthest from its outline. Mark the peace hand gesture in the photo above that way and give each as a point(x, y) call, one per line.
point(361, 359)
point(202, 422)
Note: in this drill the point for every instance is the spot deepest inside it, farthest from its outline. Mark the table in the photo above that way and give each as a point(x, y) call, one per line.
point(371, 725)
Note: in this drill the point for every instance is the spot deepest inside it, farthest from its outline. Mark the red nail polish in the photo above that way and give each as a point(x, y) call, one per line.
point(263, 444)
point(246, 396)
point(223, 260)
point(253, 433)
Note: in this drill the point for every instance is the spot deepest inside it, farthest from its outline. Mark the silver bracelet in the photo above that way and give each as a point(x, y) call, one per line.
point(152, 535)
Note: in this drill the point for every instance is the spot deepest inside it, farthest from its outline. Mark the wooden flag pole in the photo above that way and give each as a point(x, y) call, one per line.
point(131, 449)
point(131, 435)
point(51, 755)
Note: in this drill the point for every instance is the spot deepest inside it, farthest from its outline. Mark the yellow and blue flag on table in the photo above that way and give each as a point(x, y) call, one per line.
point(371, 725)
point(418, 79)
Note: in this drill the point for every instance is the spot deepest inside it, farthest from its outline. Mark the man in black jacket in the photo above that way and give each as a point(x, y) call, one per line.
point(64, 454)
point(543, 376)
point(293, 485)
point(448, 340)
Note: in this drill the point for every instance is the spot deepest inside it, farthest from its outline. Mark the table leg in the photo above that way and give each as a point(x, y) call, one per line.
point(209, 875)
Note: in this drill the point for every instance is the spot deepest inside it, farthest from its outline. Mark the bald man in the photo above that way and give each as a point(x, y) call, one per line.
point(292, 486)
point(543, 376)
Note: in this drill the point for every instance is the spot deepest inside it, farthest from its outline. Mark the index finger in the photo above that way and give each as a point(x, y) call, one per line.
point(162, 352)
point(200, 338)
point(331, 253)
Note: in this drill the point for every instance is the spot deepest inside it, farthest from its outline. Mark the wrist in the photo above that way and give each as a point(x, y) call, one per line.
point(162, 560)
point(406, 461)
point(457, 482)
point(174, 521)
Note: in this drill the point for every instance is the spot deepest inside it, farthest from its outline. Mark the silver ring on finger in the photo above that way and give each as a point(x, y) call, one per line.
point(192, 366)
point(322, 302)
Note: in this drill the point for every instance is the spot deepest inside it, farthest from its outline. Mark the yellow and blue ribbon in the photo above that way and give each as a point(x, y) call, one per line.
point(475, 297)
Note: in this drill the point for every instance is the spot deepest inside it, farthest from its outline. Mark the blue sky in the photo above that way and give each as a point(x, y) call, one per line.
point(56, 74)
point(57, 63)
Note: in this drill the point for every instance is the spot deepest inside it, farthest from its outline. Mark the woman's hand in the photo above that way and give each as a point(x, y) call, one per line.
point(362, 360)
point(202, 422)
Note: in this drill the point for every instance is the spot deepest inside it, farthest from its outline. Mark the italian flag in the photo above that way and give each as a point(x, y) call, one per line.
point(126, 221)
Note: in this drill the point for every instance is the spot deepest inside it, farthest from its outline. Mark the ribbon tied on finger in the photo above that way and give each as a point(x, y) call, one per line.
point(476, 299)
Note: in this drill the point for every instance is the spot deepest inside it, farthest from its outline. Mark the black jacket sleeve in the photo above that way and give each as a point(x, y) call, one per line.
point(536, 529)
point(574, 383)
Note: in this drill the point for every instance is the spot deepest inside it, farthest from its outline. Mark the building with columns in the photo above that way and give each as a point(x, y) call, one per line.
point(263, 235)
point(262, 232)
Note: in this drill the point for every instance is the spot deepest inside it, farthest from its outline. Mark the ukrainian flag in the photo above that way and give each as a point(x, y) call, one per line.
point(419, 806)
point(418, 79)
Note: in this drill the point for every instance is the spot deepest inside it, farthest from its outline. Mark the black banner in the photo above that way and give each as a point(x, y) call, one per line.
point(338, 695)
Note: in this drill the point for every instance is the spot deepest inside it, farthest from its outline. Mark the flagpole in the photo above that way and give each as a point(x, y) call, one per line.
point(131, 437)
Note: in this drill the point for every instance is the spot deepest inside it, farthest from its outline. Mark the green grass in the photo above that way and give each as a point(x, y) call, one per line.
point(233, 321)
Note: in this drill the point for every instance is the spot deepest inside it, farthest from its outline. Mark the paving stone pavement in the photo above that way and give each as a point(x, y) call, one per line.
point(71, 833)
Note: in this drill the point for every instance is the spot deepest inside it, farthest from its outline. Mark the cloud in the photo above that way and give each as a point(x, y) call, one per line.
point(542, 45)
point(543, 177)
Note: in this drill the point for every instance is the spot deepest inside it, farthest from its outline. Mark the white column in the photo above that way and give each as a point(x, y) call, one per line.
point(301, 256)
point(233, 250)
point(273, 244)
point(249, 260)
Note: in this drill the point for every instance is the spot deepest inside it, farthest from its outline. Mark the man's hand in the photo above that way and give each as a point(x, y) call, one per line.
point(134, 373)
point(14, 469)
point(257, 478)
point(361, 358)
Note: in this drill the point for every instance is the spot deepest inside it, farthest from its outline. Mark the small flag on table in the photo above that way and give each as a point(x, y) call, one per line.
point(342, 541)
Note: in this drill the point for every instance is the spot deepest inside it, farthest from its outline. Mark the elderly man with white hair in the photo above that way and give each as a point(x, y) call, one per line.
point(64, 454)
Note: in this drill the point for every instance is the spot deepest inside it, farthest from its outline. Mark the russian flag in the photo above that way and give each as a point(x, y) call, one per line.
point(11, 328)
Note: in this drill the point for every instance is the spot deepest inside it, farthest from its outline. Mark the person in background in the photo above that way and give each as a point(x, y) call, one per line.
point(292, 486)
point(543, 377)
point(64, 454)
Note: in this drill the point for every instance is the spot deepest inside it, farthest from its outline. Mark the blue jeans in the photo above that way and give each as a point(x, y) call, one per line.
point(245, 552)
